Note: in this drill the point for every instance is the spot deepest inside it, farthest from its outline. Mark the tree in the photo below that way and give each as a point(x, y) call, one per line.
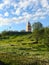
point(37, 30)
point(37, 26)
point(46, 36)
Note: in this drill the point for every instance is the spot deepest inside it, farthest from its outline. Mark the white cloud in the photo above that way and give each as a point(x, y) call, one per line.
point(1, 15)
point(4, 21)
point(17, 11)
point(24, 4)
point(1, 6)
point(17, 20)
point(15, 5)
point(6, 2)
point(6, 14)
point(21, 7)
point(42, 17)
point(44, 3)
point(27, 16)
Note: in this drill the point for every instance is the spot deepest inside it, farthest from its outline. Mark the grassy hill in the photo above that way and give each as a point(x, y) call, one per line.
point(21, 48)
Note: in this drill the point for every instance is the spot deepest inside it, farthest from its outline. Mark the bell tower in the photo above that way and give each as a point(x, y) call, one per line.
point(28, 27)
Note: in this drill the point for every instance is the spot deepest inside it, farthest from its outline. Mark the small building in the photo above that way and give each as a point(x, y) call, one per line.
point(28, 27)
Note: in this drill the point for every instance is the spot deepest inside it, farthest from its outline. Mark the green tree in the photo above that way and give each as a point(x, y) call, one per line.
point(38, 34)
point(46, 36)
point(37, 26)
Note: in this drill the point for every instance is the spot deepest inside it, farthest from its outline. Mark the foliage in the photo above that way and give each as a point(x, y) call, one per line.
point(37, 26)
point(24, 48)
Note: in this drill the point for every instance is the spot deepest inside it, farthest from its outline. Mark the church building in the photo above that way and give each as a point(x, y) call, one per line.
point(28, 27)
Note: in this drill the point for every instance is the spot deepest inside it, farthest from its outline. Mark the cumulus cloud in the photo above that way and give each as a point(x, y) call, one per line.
point(25, 10)
point(44, 3)
point(25, 17)
point(17, 12)
point(1, 6)
point(6, 14)
point(4, 21)
point(6, 2)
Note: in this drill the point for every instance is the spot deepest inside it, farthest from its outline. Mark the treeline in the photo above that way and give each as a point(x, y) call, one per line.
point(39, 33)
point(7, 34)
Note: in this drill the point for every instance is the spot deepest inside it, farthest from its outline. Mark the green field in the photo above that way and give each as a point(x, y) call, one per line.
point(22, 49)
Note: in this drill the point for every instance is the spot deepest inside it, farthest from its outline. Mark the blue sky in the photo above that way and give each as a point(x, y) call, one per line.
point(14, 14)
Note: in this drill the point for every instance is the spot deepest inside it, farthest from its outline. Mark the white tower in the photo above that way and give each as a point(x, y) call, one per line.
point(28, 27)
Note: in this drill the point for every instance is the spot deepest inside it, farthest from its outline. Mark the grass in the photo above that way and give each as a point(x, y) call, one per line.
point(18, 49)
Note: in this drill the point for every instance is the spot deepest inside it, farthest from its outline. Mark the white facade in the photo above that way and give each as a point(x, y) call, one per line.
point(28, 27)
